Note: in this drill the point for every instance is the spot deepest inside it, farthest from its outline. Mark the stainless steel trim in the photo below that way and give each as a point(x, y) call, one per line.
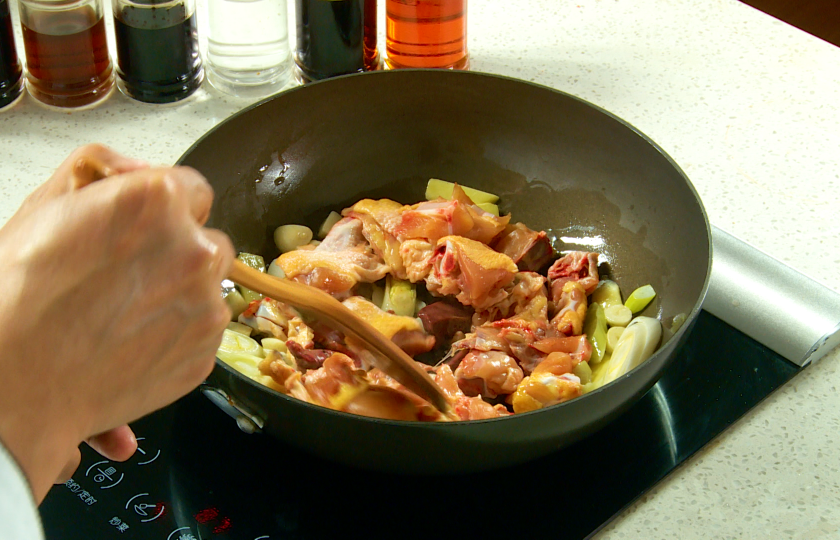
point(771, 302)
point(245, 419)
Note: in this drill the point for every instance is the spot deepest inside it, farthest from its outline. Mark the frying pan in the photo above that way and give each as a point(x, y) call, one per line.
point(558, 163)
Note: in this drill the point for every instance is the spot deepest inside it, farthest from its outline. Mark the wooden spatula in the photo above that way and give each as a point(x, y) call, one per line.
point(388, 357)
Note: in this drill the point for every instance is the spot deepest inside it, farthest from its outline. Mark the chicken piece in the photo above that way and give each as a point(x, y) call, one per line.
point(416, 259)
point(268, 316)
point(577, 347)
point(378, 221)
point(579, 266)
point(445, 319)
point(571, 309)
point(465, 407)
point(406, 332)
point(336, 382)
point(530, 250)
point(544, 389)
point(460, 216)
point(341, 260)
point(423, 410)
point(471, 271)
point(307, 359)
point(488, 374)
point(286, 378)
point(527, 297)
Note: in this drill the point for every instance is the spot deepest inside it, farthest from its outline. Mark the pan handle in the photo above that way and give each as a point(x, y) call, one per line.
point(245, 419)
point(771, 302)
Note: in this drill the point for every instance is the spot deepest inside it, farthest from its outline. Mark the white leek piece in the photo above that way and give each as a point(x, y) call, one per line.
point(607, 294)
point(234, 345)
point(636, 344)
point(328, 223)
point(400, 297)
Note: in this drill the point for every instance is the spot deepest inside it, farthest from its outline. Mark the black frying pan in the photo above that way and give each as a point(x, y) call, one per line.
point(556, 161)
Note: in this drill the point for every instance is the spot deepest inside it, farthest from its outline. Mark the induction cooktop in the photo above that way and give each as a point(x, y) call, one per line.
point(197, 476)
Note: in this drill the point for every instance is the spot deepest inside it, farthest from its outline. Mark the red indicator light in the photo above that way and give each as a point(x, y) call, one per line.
point(208, 514)
point(224, 524)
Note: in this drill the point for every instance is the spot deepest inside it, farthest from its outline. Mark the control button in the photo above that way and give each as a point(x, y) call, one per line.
point(147, 511)
point(104, 475)
point(148, 455)
point(182, 533)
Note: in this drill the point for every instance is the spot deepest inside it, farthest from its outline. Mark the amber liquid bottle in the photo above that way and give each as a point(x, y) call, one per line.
point(67, 58)
point(11, 79)
point(426, 34)
point(335, 37)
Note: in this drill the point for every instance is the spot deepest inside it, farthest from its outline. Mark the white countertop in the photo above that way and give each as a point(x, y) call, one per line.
point(748, 106)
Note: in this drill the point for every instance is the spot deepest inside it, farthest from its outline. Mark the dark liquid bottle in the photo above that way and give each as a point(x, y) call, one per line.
point(158, 59)
point(66, 54)
point(11, 79)
point(335, 38)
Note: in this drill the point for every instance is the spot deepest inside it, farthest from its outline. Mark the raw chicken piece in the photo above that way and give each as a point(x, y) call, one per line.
point(527, 296)
point(268, 316)
point(530, 250)
point(379, 217)
point(445, 319)
point(578, 266)
point(570, 307)
point(432, 220)
point(577, 347)
point(416, 258)
point(488, 374)
point(471, 271)
point(551, 382)
point(406, 332)
point(465, 407)
point(341, 260)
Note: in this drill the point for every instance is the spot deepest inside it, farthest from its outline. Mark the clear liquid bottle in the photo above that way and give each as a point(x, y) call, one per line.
point(67, 59)
point(426, 34)
point(335, 37)
point(158, 59)
point(248, 52)
point(11, 74)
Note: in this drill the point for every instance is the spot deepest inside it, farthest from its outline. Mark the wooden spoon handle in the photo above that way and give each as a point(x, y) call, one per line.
point(387, 356)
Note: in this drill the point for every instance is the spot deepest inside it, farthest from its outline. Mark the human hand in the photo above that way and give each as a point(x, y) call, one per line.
point(114, 307)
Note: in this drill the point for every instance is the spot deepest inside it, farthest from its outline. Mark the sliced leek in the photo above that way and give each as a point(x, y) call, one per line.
point(595, 328)
point(618, 315)
point(328, 223)
point(235, 344)
point(640, 298)
point(606, 293)
point(441, 188)
point(400, 297)
point(636, 344)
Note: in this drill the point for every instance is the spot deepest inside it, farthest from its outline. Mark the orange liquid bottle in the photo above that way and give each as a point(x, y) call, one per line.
point(426, 34)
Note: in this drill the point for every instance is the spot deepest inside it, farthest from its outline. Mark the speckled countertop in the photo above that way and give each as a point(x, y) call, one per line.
point(748, 106)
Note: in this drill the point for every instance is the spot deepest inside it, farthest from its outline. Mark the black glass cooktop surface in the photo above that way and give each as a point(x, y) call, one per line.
point(197, 476)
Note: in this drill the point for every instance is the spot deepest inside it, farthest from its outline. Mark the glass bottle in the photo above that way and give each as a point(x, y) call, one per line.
point(158, 59)
point(67, 59)
point(248, 52)
point(335, 37)
point(426, 34)
point(11, 74)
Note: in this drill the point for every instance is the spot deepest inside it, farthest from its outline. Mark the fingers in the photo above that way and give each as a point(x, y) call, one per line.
point(117, 444)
